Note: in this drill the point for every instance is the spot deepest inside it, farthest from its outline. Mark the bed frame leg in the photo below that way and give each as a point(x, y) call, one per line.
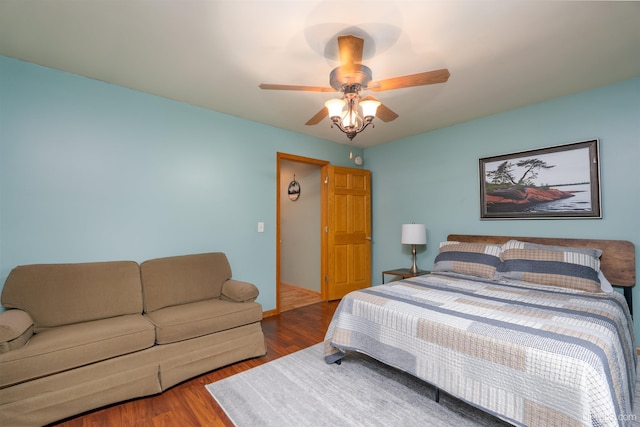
point(628, 295)
point(437, 397)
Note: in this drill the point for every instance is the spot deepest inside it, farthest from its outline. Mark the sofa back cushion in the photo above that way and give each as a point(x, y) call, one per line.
point(61, 294)
point(183, 279)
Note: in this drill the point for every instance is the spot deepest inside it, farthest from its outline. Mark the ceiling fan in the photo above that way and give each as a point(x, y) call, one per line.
point(351, 77)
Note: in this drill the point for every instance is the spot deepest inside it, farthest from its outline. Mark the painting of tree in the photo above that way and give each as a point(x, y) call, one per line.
point(560, 181)
point(504, 172)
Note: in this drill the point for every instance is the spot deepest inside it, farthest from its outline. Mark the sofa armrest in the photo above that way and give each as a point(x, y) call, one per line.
point(16, 328)
point(238, 291)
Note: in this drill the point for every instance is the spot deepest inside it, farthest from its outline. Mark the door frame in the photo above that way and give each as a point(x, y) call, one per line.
point(323, 214)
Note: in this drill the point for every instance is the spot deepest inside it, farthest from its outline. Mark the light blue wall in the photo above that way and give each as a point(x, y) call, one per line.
point(433, 178)
point(93, 172)
point(96, 172)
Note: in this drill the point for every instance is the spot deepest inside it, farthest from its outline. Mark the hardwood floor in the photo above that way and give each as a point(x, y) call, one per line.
point(189, 403)
point(294, 297)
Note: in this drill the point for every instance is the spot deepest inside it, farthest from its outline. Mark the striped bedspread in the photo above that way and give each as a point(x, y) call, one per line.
point(528, 355)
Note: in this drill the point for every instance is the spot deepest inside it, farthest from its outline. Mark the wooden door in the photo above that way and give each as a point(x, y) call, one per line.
point(347, 231)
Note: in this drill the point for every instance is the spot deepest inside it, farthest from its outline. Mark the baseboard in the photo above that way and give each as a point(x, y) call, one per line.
point(269, 313)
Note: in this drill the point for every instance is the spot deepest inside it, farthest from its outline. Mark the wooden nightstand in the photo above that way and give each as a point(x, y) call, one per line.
point(404, 273)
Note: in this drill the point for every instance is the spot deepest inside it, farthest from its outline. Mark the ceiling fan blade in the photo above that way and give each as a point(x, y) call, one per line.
point(383, 112)
point(320, 115)
point(420, 79)
point(294, 87)
point(350, 48)
point(386, 114)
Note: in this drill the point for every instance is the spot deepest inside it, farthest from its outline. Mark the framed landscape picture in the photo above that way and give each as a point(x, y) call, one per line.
point(554, 182)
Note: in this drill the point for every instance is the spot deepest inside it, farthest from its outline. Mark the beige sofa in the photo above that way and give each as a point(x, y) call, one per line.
point(80, 336)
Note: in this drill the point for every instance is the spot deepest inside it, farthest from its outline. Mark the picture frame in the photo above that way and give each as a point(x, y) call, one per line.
point(562, 181)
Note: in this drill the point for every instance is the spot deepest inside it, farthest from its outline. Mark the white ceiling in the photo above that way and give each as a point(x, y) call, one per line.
point(214, 54)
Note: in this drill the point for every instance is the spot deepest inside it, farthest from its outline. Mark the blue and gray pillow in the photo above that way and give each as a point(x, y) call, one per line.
point(472, 259)
point(560, 266)
point(573, 268)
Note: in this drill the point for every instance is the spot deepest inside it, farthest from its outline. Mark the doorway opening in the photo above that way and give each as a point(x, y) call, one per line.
point(299, 206)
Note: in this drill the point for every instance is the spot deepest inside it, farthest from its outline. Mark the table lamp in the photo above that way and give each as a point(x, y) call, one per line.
point(414, 234)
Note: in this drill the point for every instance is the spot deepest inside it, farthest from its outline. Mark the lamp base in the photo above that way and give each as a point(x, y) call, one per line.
point(414, 267)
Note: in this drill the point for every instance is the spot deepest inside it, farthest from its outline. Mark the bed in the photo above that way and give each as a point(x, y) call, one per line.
point(527, 329)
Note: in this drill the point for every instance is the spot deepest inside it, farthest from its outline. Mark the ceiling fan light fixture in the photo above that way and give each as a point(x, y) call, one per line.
point(345, 116)
point(335, 107)
point(351, 120)
point(369, 107)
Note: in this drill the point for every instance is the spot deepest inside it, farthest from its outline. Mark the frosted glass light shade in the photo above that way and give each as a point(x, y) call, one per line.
point(414, 234)
point(369, 107)
point(335, 107)
point(351, 119)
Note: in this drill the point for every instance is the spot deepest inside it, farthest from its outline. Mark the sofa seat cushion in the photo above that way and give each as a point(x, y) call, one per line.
point(185, 321)
point(66, 347)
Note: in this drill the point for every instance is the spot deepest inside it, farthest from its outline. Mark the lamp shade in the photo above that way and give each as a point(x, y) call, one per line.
point(369, 107)
point(414, 234)
point(335, 107)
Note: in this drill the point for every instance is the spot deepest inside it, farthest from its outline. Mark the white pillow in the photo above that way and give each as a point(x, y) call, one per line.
point(605, 285)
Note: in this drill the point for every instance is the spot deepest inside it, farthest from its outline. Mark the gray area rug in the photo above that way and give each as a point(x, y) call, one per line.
point(302, 390)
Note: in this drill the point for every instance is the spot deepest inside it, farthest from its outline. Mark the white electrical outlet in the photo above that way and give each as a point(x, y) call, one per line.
point(261, 227)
